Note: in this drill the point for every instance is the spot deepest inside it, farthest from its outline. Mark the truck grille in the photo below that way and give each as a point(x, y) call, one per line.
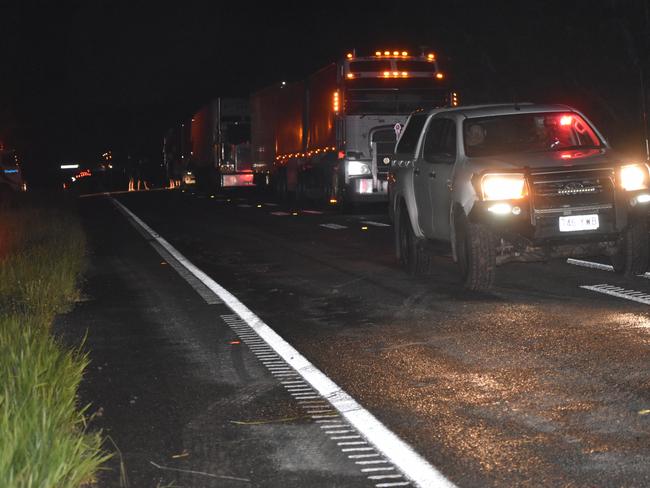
point(566, 192)
point(565, 189)
point(385, 140)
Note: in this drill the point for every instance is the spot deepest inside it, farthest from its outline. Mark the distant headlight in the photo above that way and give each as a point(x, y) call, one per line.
point(634, 177)
point(357, 168)
point(504, 186)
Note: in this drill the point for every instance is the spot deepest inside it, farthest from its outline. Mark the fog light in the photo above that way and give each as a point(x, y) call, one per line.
point(500, 208)
point(516, 210)
point(643, 198)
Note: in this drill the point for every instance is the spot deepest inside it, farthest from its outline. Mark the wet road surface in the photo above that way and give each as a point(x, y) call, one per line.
point(539, 383)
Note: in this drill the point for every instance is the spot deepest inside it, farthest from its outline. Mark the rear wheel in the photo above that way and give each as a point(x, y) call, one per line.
point(632, 258)
point(476, 251)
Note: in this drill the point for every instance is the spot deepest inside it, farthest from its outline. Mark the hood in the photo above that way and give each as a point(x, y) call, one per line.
point(550, 159)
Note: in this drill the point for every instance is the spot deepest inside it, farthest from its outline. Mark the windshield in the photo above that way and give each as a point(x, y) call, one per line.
point(535, 132)
point(391, 100)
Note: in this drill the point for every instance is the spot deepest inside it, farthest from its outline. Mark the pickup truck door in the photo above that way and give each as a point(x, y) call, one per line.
point(439, 157)
point(422, 195)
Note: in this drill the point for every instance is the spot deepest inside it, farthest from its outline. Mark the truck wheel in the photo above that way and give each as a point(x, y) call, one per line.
point(281, 189)
point(632, 258)
point(411, 255)
point(476, 251)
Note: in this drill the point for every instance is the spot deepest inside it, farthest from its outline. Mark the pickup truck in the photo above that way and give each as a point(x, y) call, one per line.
point(516, 182)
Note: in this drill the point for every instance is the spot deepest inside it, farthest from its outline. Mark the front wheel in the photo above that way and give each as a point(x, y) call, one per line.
point(632, 257)
point(411, 255)
point(476, 251)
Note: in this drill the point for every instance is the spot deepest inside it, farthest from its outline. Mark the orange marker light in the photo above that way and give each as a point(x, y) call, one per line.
point(350, 76)
point(386, 53)
point(431, 57)
point(349, 55)
point(333, 200)
point(377, 53)
point(386, 74)
point(404, 53)
point(395, 53)
point(440, 76)
point(395, 73)
point(405, 73)
point(336, 102)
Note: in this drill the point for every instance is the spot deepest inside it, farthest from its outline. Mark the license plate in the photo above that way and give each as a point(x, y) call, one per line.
point(572, 223)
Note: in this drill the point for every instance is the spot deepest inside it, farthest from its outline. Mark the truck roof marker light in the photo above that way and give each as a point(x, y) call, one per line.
point(431, 57)
point(395, 53)
point(566, 120)
point(440, 76)
point(405, 74)
point(350, 76)
point(405, 53)
point(386, 74)
point(386, 53)
point(395, 73)
point(349, 55)
point(333, 201)
point(378, 53)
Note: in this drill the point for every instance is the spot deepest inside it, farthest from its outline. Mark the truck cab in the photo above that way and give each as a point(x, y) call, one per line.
point(376, 95)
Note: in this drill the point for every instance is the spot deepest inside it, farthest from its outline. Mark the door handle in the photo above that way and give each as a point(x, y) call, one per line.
point(416, 171)
point(432, 174)
point(450, 186)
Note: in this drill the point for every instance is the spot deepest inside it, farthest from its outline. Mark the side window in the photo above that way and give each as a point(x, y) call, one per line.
point(411, 134)
point(440, 140)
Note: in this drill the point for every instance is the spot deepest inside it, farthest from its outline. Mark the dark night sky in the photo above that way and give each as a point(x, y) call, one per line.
point(82, 77)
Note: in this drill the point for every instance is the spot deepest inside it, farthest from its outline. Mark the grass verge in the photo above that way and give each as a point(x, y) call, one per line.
point(44, 440)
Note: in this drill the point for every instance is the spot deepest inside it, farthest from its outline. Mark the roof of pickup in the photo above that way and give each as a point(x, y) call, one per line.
point(471, 111)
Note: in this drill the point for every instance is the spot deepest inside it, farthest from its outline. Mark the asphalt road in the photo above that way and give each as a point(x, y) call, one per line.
point(539, 383)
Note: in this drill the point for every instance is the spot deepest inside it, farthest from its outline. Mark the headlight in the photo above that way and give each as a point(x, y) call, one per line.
point(634, 177)
point(506, 186)
point(357, 168)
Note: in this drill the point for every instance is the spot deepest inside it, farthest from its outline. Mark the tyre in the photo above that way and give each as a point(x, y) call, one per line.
point(476, 251)
point(412, 256)
point(632, 258)
point(281, 189)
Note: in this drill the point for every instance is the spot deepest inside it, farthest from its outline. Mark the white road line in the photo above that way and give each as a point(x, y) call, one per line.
point(244, 205)
point(615, 291)
point(387, 485)
point(402, 455)
point(280, 214)
point(271, 204)
point(590, 264)
point(313, 212)
point(376, 224)
point(371, 470)
point(334, 226)
point(600, 266)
